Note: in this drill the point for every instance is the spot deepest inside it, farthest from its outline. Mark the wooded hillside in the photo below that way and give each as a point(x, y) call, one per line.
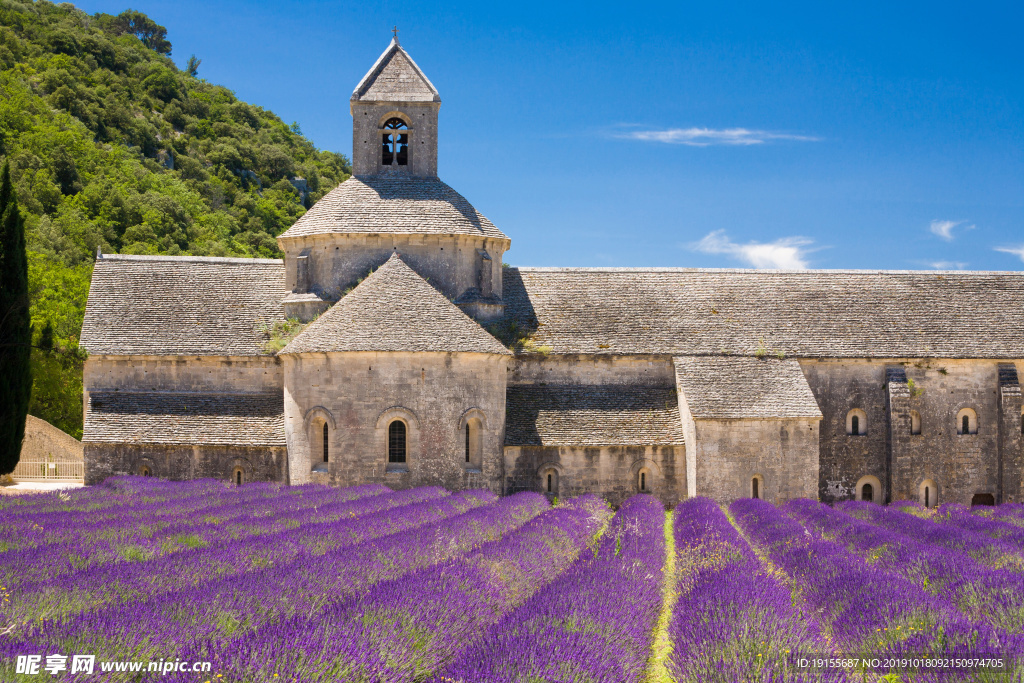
point(113, 147)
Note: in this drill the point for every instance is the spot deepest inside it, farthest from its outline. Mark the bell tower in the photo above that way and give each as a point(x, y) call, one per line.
point(394, 118)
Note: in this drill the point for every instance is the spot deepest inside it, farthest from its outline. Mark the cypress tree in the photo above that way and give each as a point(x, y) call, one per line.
point(15, 327)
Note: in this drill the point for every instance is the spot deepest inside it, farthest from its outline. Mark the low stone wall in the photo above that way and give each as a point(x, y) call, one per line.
point(181, 462)
point(611, 472)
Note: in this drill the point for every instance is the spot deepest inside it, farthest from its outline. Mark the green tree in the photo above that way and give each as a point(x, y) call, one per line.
point(152, 35)
point(192, 68)
point(15, 327)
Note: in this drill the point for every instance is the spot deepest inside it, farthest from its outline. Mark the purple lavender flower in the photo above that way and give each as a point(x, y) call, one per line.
point(593, 623)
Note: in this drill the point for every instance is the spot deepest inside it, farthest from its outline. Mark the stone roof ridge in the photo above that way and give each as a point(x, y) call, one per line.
point(187, 258)
point(757, 271)
point(382, 64)
point(394, 309)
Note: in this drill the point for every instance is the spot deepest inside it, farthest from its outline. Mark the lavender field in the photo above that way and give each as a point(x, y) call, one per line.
point(265, 583)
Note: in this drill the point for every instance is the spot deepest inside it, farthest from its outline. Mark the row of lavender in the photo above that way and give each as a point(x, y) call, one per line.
point(421, 585)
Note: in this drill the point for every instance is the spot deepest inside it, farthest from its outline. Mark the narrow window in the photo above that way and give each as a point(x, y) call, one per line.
point(326, 452)
point(643, 481)
point(867, 493)
point(238, 477)
point(550, 482)
point(927, 497)
point(855, 424)
point(467, 442)
point(394, 143)
point(396, 441)
point(145, 472)
point(915, 422)
point(755, 488)
point(965, 427)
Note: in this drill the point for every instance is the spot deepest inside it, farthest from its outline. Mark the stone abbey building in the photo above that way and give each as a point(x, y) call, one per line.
point(425, 360)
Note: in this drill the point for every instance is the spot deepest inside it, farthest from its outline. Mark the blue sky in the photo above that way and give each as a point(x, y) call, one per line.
point(868, 135)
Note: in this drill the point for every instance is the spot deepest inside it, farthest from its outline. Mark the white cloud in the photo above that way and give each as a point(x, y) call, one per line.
point(948, 265)
point(789, 253)
point(1017, 251)
point(944, 229)
point(704, 137)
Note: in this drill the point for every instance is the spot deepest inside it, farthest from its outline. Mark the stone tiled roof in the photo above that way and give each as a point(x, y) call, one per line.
point(394, 309)
point(168, 305)
point(717, 387)
point(393, 204)
point(185, 418)
point(804, 314)
point(599, 415)
point(395, 77)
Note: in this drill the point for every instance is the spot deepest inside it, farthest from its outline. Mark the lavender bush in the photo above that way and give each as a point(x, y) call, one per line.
point(593, 623)
point(734, 619)
point(405, 629)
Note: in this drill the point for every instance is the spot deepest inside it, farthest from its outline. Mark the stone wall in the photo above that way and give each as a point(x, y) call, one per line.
point(654, 371)
point(184, 462)
point(608, 471)
point(782, 453)
point(839, 387)
point(367, 119)
point(245, 374)
point(43, 441)
point(336, 262)
point(961, 465)
point(358, 394)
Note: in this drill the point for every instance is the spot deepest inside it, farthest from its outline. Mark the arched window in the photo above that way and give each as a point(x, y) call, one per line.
point(643, 480)
point(915, 422)
point(472, 436)
point(326, 441)
point(238, 476)
point(396, 441)
point(928, 493)
point(395, 143)
point(757, 486)
point(856, 422)
point(868, 487)
point(966, 422)
point(145, 472)
point(549, 480)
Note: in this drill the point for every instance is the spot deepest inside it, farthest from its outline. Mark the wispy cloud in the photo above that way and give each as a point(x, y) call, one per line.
point(1017, 251)
point(948, 265)
point(944, 229)
point(705, 137)
point(788, 253)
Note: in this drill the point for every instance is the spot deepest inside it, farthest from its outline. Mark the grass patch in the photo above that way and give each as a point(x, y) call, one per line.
point(278, 334)
point(661, 647)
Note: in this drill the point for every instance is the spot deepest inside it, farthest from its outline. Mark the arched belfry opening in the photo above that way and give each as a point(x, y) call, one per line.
point(394, 143)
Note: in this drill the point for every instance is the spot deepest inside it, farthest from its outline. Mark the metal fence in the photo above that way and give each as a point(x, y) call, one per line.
point(49, 470)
